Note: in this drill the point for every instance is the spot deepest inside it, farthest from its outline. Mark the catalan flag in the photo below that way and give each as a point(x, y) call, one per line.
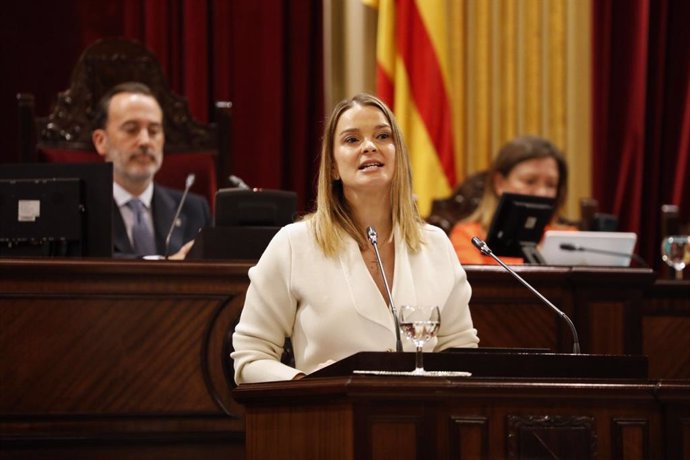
point(415, 77)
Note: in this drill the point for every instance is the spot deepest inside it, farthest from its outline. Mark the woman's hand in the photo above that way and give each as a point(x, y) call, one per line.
point(301, 375)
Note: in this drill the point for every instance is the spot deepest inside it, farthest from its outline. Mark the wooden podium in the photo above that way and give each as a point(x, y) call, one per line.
point(488, 362)
point(516, 405)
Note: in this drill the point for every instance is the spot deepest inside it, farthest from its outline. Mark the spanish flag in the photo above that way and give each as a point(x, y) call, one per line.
point(416, 77)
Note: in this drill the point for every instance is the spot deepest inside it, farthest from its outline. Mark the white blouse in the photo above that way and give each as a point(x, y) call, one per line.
point(331, 307)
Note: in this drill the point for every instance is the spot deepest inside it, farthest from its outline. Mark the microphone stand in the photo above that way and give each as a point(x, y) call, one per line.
point(373, 239)
point(188, 184)
point(484, 249)
point(635, 257)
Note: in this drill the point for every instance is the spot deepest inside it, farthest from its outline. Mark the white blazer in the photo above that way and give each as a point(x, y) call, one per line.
point(331, 307)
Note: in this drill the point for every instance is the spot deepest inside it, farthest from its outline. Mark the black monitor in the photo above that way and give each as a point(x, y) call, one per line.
point(245, 221)
point(56, 210)
point(252, 208)
point(518, 226)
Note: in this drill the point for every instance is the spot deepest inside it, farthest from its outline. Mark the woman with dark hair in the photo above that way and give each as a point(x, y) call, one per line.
point(318, 281)
point(528, 165)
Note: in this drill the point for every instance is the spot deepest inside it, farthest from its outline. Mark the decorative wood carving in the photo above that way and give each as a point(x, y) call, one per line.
point(446, 212)
point(551, 436)
point(103, 65)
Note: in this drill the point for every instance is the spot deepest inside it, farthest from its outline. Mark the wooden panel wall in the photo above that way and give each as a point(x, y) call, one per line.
point(112, 359)
point(665, 330)
point(604, 304)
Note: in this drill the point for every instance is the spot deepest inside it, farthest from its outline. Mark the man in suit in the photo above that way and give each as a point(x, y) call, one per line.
point(129, 133)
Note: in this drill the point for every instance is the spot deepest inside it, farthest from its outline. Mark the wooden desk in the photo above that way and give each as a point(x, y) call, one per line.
point(604, 304)
point(118, 359)
point(107, 358)
point(406, 418)
point(666, 329)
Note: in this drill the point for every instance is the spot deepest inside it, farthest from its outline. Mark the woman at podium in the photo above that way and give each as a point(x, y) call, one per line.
point(319, 282)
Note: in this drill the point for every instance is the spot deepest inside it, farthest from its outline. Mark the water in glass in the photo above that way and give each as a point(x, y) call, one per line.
point(419, 323)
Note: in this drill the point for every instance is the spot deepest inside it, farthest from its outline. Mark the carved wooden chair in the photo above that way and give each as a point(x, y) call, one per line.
point(671, 224)
point(65, 134)
point(461, 203)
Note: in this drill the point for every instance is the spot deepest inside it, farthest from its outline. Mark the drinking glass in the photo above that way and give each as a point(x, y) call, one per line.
point(419, 323)
point(675, 251)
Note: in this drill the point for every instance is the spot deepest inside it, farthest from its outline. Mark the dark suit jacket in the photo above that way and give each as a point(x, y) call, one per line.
point(194, 216)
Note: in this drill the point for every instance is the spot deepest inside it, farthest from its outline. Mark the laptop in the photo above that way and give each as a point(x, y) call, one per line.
point(611, 249)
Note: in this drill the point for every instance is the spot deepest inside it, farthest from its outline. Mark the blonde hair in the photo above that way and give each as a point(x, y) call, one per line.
point(520, 149)
point(332, 218)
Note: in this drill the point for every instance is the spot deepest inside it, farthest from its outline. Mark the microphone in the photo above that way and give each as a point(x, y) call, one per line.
point(572, 247)
point(485, 250)
point(237, 182)
point(187, 185)
point(374, 240)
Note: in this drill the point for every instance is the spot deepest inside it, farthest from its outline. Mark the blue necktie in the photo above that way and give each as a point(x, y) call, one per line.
point(143, 240)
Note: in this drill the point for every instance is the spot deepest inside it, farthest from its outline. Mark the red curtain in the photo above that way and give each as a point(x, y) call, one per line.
point(641, 114)
point(266, 58)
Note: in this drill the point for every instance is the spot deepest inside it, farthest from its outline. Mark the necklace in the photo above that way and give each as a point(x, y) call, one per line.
point(369, 256)
point(373, 265)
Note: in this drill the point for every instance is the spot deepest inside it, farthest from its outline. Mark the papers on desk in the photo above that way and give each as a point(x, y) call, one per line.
point(415, 374)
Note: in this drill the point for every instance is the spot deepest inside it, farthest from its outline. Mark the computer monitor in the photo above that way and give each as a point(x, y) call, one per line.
point(259, 207)
point(56, 210)
point(245, 221)
point(609, 249)
point(518, 225)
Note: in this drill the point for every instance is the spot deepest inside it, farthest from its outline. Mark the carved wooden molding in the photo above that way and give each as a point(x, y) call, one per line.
point(551, 436)
point(103, 65)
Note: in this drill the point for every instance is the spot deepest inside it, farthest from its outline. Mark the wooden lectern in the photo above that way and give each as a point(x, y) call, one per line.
point(516, 405)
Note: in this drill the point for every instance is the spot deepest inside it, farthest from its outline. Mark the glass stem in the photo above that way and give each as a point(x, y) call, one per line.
point(419, 360)
point(679, 274)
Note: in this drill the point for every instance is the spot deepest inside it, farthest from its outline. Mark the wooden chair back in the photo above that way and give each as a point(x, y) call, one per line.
point(64, 135)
